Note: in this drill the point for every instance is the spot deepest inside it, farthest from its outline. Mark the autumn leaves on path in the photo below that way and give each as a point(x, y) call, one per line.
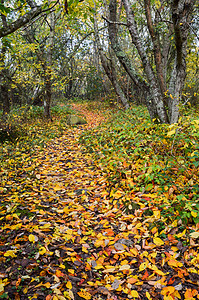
point(63, 237)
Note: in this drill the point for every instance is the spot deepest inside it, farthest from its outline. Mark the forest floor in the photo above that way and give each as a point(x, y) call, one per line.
point(63, 237)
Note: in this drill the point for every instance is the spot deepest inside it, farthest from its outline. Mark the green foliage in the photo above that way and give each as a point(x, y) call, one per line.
point(26, 131)
point(151, 158)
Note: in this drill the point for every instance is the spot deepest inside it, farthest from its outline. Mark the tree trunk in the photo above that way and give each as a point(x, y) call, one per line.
point(181, 16)
point(155, 92)
point(156, 47)
point(109, 69)
point(6, 100)
point(140, 87)
point(3, 74)
point(48, 71)
point(47, 99)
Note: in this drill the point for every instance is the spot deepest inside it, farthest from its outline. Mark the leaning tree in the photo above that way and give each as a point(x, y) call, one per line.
point(166, 26)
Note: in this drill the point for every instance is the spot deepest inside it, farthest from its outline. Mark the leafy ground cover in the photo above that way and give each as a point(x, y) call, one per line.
point(96, 219)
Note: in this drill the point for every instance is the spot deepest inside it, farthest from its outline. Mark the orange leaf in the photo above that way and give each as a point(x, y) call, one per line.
point(18, 282)
point(171, 281)
point(59, 273)
point(47, 285)
point(174, 263)
point(188, 294)
point(168, 290)
point(146, 275)
point(131, 280)
point(84, 294)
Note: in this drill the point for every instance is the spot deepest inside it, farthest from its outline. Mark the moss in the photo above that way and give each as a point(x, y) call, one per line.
point(75, 120)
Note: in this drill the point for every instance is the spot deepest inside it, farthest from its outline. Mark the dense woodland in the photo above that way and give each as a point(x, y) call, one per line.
point(135, 52)
point(99, 149)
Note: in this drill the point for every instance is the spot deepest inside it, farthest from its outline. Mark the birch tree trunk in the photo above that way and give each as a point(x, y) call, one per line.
point(109, 68)
point(139, 86)
point(48, 73)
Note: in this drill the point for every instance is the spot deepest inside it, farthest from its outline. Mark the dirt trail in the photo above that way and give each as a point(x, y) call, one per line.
point(70, 241)
point(51, 244)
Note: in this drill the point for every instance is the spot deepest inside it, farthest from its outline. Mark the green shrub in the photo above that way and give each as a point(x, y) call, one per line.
point(159, 159)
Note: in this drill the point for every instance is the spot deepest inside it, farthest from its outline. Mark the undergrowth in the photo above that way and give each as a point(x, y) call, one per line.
point(159, 160)
point(25, 130)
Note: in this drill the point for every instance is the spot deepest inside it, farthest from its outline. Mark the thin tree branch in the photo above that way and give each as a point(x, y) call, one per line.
point(118, 23)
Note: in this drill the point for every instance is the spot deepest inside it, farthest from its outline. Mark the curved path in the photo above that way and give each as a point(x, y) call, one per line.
point(70, 241)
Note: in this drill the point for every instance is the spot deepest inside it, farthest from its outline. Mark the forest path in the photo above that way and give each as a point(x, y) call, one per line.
point(64, 238)
point(62, 224)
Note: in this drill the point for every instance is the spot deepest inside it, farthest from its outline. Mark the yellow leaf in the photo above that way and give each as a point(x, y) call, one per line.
point(62, 266)
point(42, 250)
point(57, 187)
point(69, 285)
point(181, 234)
point(99, 267)
point(1, 286)
point(177, 295)
point(99, 243)
point(159, 272)
point(10, 253)
point(174, 263)
point(84, 249)
point(158, 242)
point(25, 290)
point(134, 251)
point(90, 283)
point(47, 285)
point(156, 214)
point(66, 210)
point(31, 238)
point(108, 267)
point(194, 214)
point(173, 131)
point(134, 294)
point(148, 296)
point(143, 266)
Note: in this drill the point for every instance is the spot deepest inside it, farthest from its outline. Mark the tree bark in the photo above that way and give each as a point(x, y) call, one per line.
point(121, 55)
point(156, 47)
point(21, 21)
point(181, 16)
point(156, 96)
point(48, 73)
point(109, 69)
point(141, 89)
point(3, 76)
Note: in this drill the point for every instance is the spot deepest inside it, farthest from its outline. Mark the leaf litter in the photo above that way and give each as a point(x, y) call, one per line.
point(64, 236)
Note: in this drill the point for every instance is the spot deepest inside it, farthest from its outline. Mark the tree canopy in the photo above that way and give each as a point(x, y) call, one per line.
point(145, 43)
